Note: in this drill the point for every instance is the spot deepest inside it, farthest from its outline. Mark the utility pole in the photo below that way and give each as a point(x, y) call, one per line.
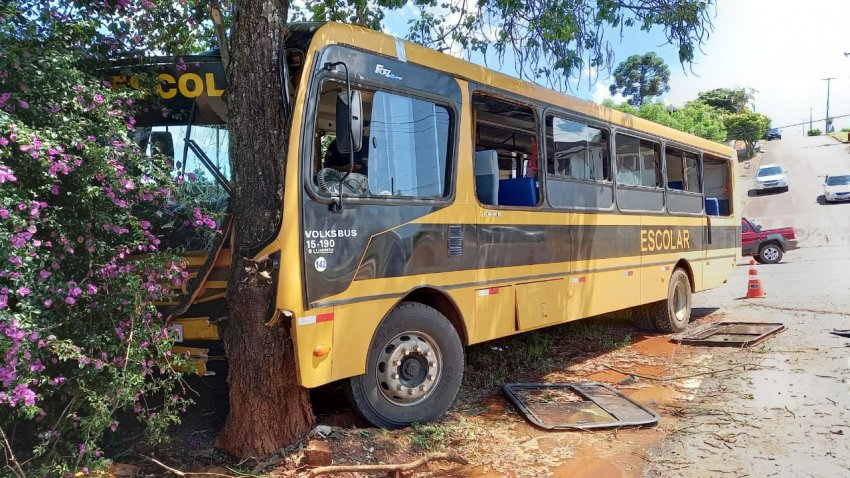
point(828, 122)
point(810, 118)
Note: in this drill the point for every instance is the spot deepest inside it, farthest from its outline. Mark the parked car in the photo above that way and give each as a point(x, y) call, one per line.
point(774, 133)
point(836, 187)
point(771, 176)
point(767, 246)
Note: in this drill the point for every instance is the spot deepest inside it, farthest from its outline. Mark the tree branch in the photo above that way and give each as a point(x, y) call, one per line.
point(451, 456)
point(187, 473)
point(11, 461)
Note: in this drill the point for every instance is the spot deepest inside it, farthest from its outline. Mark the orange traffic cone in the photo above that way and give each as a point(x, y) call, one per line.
point(754, 288)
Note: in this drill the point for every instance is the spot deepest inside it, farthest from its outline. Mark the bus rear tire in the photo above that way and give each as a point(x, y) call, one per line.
point(413, 369)
point(674, 314)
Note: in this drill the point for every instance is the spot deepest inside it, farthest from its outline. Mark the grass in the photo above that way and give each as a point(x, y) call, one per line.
point(429, 436)
point(529, 355)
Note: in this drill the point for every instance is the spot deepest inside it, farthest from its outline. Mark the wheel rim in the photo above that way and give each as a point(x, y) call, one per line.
point(771, 253)
point(409, 368)
point(680, 301)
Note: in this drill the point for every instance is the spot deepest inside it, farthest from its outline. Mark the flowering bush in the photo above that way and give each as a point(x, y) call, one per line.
point(80, 262)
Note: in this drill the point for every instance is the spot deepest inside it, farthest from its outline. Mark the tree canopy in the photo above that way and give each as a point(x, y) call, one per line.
point(695, 117)
point(748, 127)
point(548, 42)
point(730, 100)
point(640, 77)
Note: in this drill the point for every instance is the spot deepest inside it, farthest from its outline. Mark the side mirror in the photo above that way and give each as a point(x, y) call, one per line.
point(346, 111)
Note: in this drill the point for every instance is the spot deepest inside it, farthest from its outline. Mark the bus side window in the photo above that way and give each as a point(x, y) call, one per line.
point(510, 131)
point(683, 185)
point(717, 179)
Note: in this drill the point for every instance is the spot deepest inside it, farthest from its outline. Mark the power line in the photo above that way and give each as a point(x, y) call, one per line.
point(806, 122)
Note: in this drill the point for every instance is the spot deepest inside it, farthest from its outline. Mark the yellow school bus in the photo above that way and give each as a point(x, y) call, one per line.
point(432, 204)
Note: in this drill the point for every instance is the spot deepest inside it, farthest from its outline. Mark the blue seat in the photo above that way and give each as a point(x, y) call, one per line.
point(676, 185)
point(518, 192)
point(712, 206)
point(724, 207)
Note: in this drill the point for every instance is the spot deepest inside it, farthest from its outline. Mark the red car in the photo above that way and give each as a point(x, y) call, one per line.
point(766, 245)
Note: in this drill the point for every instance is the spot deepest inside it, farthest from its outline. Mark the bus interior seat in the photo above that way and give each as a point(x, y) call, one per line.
point(723, 207)
point(518, 192)
point(712, 206)
point(487, 176)
point(676, 185)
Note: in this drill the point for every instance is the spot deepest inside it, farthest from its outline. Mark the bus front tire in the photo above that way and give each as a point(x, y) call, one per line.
point(413, 369)
point(671, 315)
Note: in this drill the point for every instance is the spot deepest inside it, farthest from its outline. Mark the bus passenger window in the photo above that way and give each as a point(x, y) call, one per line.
point(682, 170)
point(577, 150)
point(718, 185)
point(692, 173)
point(506, 158)
point(638, 162)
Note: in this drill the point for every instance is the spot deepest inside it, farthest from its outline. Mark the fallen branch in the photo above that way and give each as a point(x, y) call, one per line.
point(397, 469)
point(187, 473)
point(671, 379)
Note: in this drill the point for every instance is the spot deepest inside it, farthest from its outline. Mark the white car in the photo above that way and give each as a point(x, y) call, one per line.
point(837, 187)
point(771, 176)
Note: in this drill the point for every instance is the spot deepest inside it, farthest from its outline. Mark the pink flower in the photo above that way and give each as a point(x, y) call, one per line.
point(23, 291)
point(70, 300)
point(6, 174)
point(23, 104)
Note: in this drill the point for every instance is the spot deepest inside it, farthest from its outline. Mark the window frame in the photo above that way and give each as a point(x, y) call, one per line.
point(641, 137)
point(307, 150)
point(729, 168)
point(667, 190)
point(549, 113)
point(536, 110)
point(592, 122)
point(625, 188)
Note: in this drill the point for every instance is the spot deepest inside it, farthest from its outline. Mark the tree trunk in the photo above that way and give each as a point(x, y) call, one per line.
point(268, 409)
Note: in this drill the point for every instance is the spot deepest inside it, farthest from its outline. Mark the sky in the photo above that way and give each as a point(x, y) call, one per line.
point(780, 48)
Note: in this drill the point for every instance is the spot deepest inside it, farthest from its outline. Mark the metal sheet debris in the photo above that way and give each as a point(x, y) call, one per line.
point(569, 406)
point(730, 334)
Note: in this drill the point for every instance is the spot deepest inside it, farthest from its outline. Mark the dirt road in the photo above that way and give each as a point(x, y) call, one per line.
point(787, 416)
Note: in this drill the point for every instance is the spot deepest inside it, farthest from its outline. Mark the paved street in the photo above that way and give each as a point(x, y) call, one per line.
point(788, 415)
